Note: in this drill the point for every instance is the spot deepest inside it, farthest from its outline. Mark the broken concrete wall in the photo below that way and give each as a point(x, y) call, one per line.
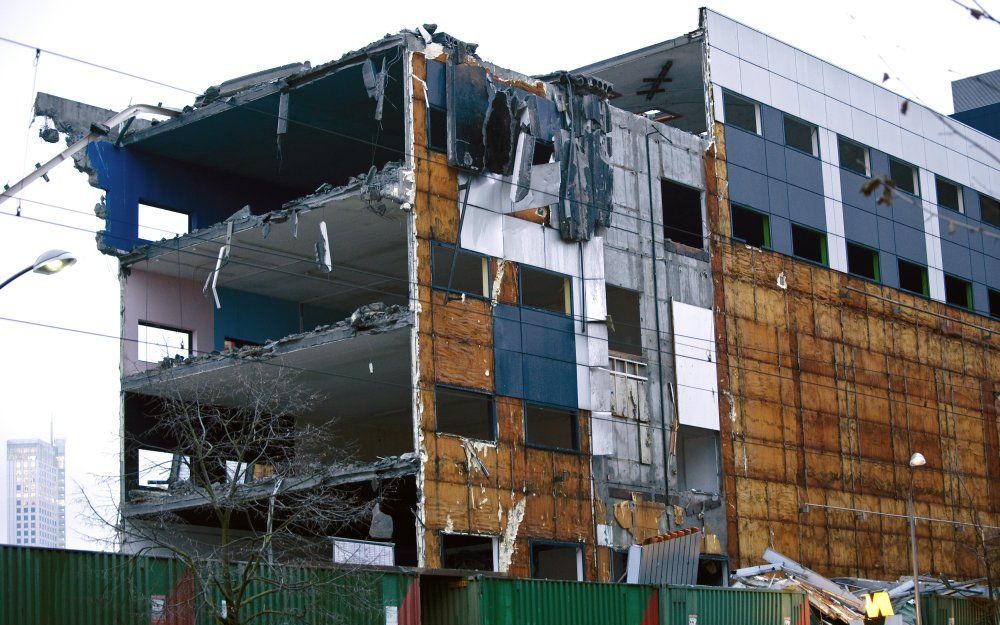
point(630, 473)
point(828, 384)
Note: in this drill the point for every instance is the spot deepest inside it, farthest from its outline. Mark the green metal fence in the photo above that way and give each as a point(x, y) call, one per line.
point(703, 605)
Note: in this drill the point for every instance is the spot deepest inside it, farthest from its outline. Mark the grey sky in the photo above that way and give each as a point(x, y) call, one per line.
point(73, 378)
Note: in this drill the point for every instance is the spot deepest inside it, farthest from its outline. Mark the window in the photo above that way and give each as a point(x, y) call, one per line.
point(471, 271)
point(751, 227)
point(863, 261)
point(551, 428)
point(624, 333)
point(619, 565)
point(545, 290)
point(990, 209)
point(994, 297)
point(465, 413)
point(475, 553)
point(437, 129)
point(161, 223)
point(801, 136)
point(159, 342)
point(904, 176)
point(853, 156)
point(913, 278)
point(957, 292)
point(154, 468)
point(741, 112)
point(949, 194)
point(698, 459)
point(809, 244)
point(556, 561)
point(681, 214)
point(543, 152)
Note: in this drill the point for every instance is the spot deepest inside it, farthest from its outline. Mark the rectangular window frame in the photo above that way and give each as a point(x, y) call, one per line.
point(925, 277)
point(995, 210)
point(581, 570)
point(159, 326)
point(938, 180)
point(867, 153)
point(824, 251)
point(672, 231)
point(726, 95)
point(876, 262)
point(766, 224)
point(437, 116)
point(577, 443)
point(568, 292)
point(915, 172)
point(993, 302)
point(969, 303)
point(813, 134)
point(495, 541)
point(448, 388)
point(487, 278)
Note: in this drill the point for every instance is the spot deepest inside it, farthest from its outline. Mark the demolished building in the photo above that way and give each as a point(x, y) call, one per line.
point(563, 315)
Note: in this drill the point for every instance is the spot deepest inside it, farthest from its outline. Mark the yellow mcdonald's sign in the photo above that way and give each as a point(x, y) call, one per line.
point(877, 604)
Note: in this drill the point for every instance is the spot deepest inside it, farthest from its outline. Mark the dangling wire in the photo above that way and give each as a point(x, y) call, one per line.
point(31, 118)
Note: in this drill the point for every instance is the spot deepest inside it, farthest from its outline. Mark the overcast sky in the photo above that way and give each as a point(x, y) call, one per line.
point(72, 378)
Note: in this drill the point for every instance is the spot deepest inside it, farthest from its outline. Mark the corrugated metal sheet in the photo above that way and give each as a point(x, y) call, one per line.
point(670, 561)
point(43, 586)
point(500, 601)
point(976, 91)
point(725, 606)
point(941, 610)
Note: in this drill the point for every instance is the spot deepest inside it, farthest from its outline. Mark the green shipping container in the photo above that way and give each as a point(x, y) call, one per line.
point(502, 601)
point(706, 605)
point(940, 610)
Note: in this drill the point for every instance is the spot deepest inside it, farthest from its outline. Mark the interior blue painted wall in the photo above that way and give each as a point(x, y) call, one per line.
point(534, 355)
point(258, 318)
point(129, 177)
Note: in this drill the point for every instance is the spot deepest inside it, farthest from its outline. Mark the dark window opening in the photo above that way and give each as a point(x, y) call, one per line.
point(229, 344)
point(551, 428)
point(740, 112)
point(751, 227)
point(990, 210)
point(994, 297)
point(681, 214)
point(913, 278)
point(863, 261)
point(949, 194)
point(545, 290)
point(698, 459)
point(471, 275)
point(904, 176)
point(465, 413)
point(624, 333)
point(543, 152)
point(712, 570)
point(619, 565)
point(853, 156)
point(437, 129)
point(473, 553)
point(801, 136)
point(556, 561)
point(958, 292)
point(809, 244)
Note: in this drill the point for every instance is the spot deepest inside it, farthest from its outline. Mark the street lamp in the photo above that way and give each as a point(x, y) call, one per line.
point(47, 263)
point(916, 460)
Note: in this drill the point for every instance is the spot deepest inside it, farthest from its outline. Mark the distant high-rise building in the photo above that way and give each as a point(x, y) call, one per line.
point(36, 491)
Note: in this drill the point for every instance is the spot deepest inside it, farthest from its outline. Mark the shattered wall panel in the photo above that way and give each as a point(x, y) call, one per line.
point(828, 383)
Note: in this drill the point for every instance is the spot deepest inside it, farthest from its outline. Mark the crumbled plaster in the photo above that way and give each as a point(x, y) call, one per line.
point(508, 539)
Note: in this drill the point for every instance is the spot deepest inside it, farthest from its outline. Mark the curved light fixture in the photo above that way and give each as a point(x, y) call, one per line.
point(917, 460)
point(53, 261)
point(47, 263)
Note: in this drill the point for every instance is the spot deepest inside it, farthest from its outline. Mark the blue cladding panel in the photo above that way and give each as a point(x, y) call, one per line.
point(745, 149)
point(908, 211)
point(130, 177)
point(956, 260)
point(980, 298)
point(748, 188)
point(992, 272)
point(777, 191)
point(991, 242)
point(860, 226)
point(889, 268)
point(436, 83)
point(958, 234)
point(970, 199)
point(910, 244)
point(850, 191)
point(781, 235)
point(775, 154)
point(534, 355)
point(978, 267)
point(886, 235)
point(550, 381)
point(804, 170)
point(985, 119)
point(773, 121)
point(806, 207)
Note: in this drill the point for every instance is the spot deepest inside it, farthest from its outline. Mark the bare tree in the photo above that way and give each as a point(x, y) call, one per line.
point(250, 488)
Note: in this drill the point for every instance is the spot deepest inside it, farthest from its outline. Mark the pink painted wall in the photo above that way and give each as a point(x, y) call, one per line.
point(159, 299)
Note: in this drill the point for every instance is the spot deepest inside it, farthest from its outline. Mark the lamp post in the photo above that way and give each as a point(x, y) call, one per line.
point(916, 460)
point(47, 263)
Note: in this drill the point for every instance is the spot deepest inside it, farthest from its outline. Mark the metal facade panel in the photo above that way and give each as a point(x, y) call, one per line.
point(694, 360)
